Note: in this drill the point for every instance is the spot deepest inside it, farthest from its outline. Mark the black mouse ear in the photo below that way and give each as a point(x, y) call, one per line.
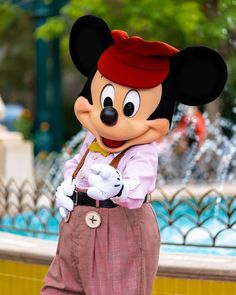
point(199, 74)
point(89, 37)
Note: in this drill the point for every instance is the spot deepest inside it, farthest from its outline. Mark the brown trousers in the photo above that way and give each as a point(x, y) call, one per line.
point(120, 257)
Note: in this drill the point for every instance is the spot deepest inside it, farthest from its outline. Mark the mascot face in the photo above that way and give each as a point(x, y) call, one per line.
point(119, 115)
point(133, 84)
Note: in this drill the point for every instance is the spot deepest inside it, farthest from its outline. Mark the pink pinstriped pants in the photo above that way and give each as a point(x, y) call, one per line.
point(118, 258)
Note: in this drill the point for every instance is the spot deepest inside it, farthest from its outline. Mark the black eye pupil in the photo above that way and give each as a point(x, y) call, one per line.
point(108, 102)
point(129, 109)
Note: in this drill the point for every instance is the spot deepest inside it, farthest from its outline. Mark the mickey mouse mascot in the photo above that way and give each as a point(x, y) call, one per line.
point(109, 239)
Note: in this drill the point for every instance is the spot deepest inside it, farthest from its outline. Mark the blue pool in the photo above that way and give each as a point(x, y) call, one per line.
point(197, 225)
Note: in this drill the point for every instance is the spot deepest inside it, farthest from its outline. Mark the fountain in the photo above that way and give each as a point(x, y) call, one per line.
point(213, 161)
point(195, 201)
point(184, 159)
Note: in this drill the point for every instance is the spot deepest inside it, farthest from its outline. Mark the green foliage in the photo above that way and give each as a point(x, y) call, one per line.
point(16, 53)
point(24, 124)
point(229, 101)
point(219, 27)
point(178, 22)
point(8, 16)
point(55, 27)
point(171, 21)
point(77, 8)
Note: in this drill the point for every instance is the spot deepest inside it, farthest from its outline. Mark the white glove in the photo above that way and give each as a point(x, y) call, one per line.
point(63, 202)
point(105, 182)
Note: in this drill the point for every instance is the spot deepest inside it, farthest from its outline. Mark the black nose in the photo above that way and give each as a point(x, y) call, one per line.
point(109, 116)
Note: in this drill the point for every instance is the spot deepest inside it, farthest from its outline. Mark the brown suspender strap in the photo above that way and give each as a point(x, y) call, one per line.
point(79, 166)
point(114, 163)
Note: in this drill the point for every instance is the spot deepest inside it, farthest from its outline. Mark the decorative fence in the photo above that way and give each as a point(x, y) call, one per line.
point(185, 217)
point(28, 210)
point(197, 217)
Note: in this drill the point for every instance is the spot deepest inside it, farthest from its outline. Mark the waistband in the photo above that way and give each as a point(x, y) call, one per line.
point(82, 199)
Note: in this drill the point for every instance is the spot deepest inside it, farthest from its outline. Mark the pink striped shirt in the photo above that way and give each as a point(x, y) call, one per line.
point(138, 168)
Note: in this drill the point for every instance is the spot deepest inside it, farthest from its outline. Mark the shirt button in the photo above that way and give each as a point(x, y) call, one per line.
point(94, 157)
point(93, 219)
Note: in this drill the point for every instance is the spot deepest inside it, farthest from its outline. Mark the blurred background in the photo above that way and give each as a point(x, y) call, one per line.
point(38, 82)
point(195, 199)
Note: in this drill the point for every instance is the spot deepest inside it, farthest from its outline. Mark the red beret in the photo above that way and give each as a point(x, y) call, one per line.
point(135, 63)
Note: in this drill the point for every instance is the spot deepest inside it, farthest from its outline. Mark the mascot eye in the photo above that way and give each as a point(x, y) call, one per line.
point(107, 96)
point(131, 103)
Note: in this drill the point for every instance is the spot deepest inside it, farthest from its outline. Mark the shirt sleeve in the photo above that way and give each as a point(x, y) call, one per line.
point(139, 176)
point(71, 164)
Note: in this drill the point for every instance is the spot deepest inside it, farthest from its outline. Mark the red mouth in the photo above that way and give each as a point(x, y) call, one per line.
point(113, 143)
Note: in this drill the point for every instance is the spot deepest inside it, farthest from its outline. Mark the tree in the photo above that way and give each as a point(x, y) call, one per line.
point(16, 55)
point(178, 22)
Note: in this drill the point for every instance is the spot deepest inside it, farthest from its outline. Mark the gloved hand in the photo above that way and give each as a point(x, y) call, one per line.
point(105, 182)
point(63, 202)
